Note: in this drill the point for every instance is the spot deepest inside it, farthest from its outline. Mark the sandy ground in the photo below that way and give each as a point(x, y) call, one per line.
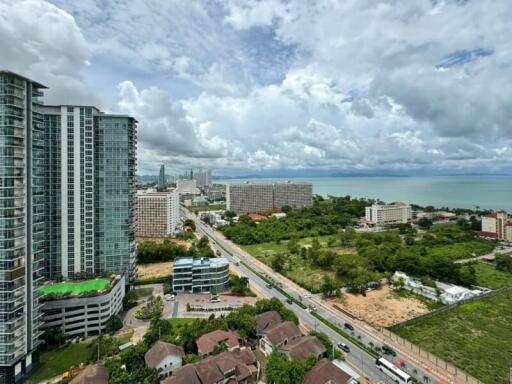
point(380, 308)
point(145, 271)
point(159, 240)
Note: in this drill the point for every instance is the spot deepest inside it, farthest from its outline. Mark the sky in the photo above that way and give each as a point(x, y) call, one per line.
point(267, 87)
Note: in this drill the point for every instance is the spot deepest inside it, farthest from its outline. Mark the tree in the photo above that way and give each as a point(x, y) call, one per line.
point(504, 262)
point(328, 287)
point(190, 223)
point(54, 337)
point(274, 304)
point(278, 263)
point(280, 370)
point(425, 223)
point(113, 324)
point(229, 214)
point(130, 300)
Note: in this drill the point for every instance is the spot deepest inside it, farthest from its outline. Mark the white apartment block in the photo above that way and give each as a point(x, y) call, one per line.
point(252, 198)
point(157, 214)
point(497, 225)
point(396, 213)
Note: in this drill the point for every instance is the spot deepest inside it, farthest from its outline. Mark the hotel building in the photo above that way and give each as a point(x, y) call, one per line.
point(396, 213)
point(157, 214)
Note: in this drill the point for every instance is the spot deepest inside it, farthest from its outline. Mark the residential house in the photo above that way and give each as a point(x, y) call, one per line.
point(267, 320)
point(164, 357)
point(325, 372)
point(234, 367)
point(92, 374)
point(278, 336)
point(303, 348)
point(206, 344)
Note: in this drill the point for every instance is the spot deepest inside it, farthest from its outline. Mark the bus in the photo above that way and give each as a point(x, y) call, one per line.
point(392, 371)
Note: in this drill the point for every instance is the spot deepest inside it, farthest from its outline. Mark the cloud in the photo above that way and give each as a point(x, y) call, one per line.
point(41, 41)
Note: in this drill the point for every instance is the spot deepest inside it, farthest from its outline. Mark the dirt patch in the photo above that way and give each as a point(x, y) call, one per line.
point(146, 271)
point(381, 308)
point(159, 240)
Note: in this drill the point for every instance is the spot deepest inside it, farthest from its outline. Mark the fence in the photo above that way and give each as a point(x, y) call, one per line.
point(449, 307)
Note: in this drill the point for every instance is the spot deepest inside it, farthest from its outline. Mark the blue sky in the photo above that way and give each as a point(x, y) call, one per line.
point(355, 86)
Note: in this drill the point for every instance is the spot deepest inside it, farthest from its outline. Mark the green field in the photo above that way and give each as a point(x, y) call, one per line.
point(475, 336)
point(464, 250)
point(489, 277)
point(56, 362)
point(69, 288)
point(268, 249)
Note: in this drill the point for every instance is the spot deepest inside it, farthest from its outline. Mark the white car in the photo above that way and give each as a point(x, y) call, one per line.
point(169, 297)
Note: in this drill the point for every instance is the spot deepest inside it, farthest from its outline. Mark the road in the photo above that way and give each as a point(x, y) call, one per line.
point(358, 357)
point(504, 250)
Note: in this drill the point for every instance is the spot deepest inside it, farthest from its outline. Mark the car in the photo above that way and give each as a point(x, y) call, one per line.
point(386, 349)
point(169, 297)
point(349, 326)
point(344, 347)
point(214, 300)
point(289, 301)
point(218, 253)
point(312, 307)
point(269, 286)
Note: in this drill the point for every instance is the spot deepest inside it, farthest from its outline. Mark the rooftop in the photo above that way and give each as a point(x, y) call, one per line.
point(75, 287)
point(202, 261)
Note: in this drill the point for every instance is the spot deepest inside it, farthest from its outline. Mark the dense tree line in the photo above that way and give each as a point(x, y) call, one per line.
point(151, 252)
point(325, 217)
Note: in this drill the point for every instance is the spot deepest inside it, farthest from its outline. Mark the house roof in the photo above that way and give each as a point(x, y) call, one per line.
point(487, 234)
point(304, 347)
point(325, 372)
point(280, 332)
point(267, 320)
point(240, 364)
point(160, 351)
point(92, 374)
point(207, 342)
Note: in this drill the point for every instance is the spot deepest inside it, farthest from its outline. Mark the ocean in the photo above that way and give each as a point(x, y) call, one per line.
point(490, 192)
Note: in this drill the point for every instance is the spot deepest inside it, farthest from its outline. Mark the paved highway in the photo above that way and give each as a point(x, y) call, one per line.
point(357, 357)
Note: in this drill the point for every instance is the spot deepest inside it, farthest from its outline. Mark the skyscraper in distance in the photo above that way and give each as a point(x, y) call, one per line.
point(161, 179)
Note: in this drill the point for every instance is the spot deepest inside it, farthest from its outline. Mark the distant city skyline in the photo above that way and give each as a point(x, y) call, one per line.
point(416, 87)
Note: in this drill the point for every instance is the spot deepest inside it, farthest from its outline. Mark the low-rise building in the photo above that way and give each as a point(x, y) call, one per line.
point(327, 372)
point(234, 367)
point(92, 374)
point(164, 357)
point(396, 213)
point(207, 343)
point(279, 336)
point(83, 314)
point(158, 214)
point(303, 348)
point(200, 274)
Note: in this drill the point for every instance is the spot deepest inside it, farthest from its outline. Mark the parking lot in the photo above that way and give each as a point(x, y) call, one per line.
point(201, 306)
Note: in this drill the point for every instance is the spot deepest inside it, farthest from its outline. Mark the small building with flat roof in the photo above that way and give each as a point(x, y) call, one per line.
point(200, 275)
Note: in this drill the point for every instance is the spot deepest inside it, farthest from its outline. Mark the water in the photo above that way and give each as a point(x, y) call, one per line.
point(490, 192)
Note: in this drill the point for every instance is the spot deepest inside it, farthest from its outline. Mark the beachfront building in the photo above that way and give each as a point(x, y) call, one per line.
point(396, 213)
point(497, 225)
point(82, 308)
point(253, 198)
point(200, 275)
point(158, 214)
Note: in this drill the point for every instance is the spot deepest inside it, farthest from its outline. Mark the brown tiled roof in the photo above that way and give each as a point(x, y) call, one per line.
point(92, 374)
point(280, 332)
point(160, 351)
point(239, 365)
point(304, 347)
point(325, 372)
point(492, 215)
point(267, 320)
point(207, 342)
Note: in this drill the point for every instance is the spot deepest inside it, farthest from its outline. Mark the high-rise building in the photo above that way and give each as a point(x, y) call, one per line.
point(158, 214)
point(161, 179)
point(23, 226)
point(396, 213)
point(203, 178)
point(252, 198)
point(91, 184)
point(497, 225)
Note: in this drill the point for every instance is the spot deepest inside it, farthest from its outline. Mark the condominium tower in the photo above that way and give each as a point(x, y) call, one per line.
point(158, 214)
point(251, 198)
point(161, 179)
point(23, 223)
point(67, 190)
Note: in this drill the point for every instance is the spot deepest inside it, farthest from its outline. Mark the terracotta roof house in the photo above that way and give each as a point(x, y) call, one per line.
point(92, 374)
point(207, 343)
point(278, 336)
point(301, 349)
point(164, 357)
point(325, 372)
point(267, 320)
point(234, 367)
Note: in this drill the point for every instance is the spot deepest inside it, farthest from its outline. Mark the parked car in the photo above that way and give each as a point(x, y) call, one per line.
point(344, 347)
point(269, 286)
point(349, 326)
point(169, 297)
point(218, 253)
point(214, 300)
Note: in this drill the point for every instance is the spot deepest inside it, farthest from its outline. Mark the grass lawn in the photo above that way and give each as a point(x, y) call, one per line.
point(75, 288)
point(178, 323)
point(464, 250)
point(404, 293)
point(489, 277)
point(56, 362)
point(124, 338)
point(273, 247)
point(475, 336)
